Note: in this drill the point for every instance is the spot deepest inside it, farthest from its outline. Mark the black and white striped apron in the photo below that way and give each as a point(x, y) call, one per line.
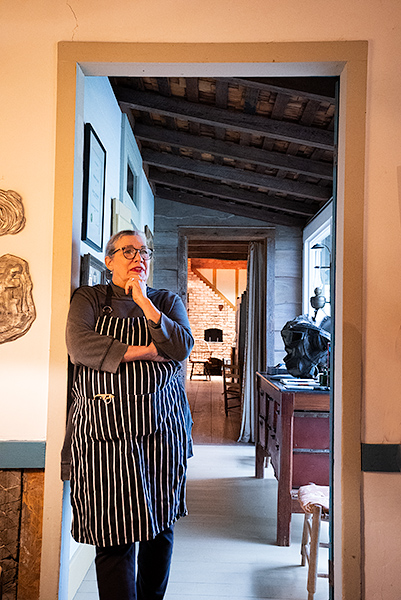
point(129, 446)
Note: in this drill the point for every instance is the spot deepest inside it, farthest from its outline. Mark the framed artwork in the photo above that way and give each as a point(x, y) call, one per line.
point(93, 189)
point(93, 271)
point(121, 216)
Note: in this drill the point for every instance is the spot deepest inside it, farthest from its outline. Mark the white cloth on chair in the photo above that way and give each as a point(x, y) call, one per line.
point(312, 495)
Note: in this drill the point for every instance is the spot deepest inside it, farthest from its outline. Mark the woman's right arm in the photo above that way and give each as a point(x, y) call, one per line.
point(143, 353)
point(85, 346)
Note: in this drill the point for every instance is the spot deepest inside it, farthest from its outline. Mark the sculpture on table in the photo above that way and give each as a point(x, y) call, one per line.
point(306, 345)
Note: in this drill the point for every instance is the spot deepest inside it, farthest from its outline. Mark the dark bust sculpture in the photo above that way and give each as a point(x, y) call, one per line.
point(306, 345)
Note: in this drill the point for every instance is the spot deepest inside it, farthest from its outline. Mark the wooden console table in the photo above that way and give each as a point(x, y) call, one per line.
point(293, 429)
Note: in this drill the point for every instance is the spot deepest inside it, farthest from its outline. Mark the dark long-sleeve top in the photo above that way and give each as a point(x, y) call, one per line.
point(171, 335)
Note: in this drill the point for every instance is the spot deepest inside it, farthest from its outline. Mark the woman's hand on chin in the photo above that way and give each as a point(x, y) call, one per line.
point(136, 286)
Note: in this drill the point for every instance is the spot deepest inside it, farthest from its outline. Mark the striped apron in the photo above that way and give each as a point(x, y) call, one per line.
point(129, 445)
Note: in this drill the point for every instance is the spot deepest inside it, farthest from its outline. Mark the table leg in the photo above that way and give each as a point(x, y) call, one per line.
point(259, 461)
point(283, 517)
point(285, 480)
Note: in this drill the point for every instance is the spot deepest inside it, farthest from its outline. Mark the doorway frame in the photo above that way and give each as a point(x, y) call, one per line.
point(264, 234)
point(348, 61)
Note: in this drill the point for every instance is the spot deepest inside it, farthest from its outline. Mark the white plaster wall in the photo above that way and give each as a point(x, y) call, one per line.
point(30, 32)
point(143, 210)
point(101, 110)
point(147, 205)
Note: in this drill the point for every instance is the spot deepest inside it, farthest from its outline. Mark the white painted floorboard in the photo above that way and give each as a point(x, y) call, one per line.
point(225, 548)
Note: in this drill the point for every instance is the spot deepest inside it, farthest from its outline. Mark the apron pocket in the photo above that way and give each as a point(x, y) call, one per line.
point(108, 418)
point(112, 419)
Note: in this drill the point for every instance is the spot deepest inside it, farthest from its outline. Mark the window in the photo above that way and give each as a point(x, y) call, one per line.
point(131, 184)
point(130, 170)
point(317, 268)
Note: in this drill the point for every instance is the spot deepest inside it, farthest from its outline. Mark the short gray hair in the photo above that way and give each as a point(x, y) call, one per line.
point(111, 244)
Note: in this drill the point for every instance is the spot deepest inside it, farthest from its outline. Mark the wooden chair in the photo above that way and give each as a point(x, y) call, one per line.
point(314, 500)
point(200, 357)
point(232, 386)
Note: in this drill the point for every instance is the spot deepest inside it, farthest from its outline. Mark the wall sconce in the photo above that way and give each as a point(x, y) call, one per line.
point(321, 247)
point(318, 301)
point(221, 306)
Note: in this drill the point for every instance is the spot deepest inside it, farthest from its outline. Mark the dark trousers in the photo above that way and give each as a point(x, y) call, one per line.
point(115, 569)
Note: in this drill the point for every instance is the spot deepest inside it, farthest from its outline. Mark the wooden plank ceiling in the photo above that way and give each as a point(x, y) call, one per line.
point(259, 148)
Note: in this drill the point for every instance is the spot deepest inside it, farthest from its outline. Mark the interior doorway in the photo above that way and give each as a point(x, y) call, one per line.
point(307, 59)
point(213, 301)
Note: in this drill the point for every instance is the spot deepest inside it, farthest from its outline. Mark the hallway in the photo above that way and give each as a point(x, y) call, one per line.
point(226, 547)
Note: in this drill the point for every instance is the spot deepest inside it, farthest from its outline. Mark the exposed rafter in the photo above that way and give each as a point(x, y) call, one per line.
point(240, 176)
point(261, 85)
point(226, 192)
point(230, 250)
point(229, 150)
point(215, 117)
point(227, 206)
point(258, 148)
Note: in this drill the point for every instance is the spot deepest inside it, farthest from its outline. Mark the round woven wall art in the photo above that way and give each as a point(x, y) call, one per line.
point(12, 218)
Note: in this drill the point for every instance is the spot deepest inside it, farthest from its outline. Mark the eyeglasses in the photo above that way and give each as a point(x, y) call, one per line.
point(130, 252)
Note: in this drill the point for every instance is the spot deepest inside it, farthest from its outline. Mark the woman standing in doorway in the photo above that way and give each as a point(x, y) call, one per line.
point(130, 423)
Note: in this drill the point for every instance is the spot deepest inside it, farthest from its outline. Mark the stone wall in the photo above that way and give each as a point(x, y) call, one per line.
point(21, 509)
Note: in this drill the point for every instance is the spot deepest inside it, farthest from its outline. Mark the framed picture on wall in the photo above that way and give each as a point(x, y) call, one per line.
point(93, 271)
point(121, 216)
point(93, 189)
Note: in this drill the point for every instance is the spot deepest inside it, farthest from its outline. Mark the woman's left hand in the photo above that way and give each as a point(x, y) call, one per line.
point(136, 285)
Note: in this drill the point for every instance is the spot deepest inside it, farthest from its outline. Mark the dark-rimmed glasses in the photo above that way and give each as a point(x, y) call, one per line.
point(130, 252)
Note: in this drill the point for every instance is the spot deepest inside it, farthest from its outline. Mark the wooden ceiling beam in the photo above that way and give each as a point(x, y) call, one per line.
point(309, 113)
point(267, 87)
point(251, 100)
point(192, 89)
point(280, 105)
point(258, 199)
point(215, 263)
point(221, 93)
point(233, 208)
point(164, 86)
point(201, 244)
point(237, 121)
point(243, 177)
point(229, 254)
point(249, 154)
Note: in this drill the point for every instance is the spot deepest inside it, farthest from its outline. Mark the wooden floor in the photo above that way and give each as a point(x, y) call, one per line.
point(225, 548)
point(211, 426)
